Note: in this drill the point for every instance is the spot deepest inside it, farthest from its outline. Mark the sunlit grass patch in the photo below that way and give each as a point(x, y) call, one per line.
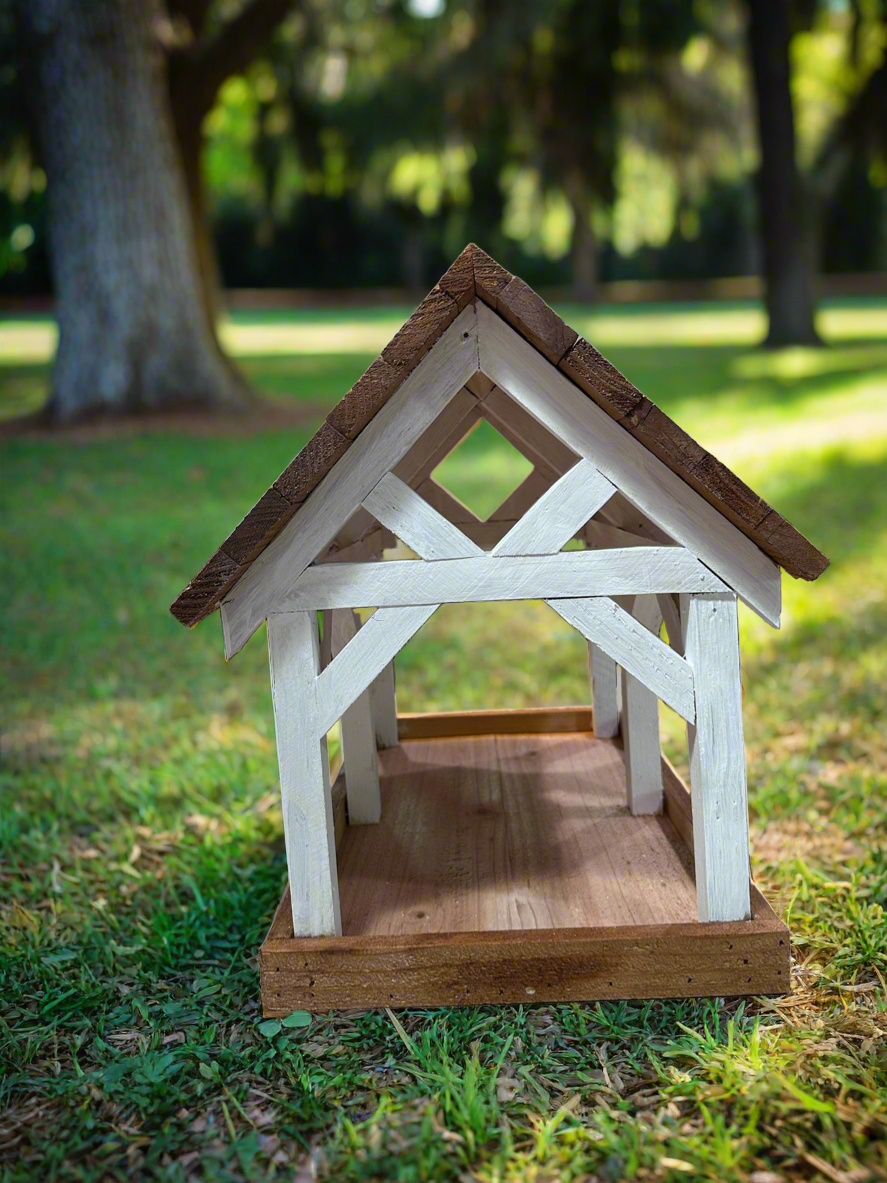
point(141, 847)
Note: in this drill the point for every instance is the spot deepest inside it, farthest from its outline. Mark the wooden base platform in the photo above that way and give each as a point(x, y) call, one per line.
point(507, 868)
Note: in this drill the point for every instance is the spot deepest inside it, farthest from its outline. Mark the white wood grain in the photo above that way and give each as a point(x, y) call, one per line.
point(416, 523)
point(523, 577)
point(672, 617)
point(383, 703)
point(306, 800)
point(634, 648)
point(520, 499)
point(559, 513)
point(363, 658)
point(544, 450)
point(445, 503)
point(717, 759)
point(641, 746)
point(602, 536)
point(455, 422)
point(358, 738)
point(604, 692)
point(411, 410)
point(515, 366)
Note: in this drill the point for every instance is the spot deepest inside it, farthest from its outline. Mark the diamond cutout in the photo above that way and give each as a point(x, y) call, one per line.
point(482, 470)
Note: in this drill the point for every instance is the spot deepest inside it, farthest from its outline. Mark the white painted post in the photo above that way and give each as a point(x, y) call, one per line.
point(640, 724)
point(306, 800)
point(359, 757)
point(604, 692)
point(383, 706)
point(640, 739)
point(717, 757)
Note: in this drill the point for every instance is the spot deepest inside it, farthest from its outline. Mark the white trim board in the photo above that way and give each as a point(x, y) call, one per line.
point(560, 406)
point(424, 394)
point(571, 574)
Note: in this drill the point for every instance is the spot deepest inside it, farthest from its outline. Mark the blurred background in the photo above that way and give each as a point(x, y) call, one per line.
point(213, 217)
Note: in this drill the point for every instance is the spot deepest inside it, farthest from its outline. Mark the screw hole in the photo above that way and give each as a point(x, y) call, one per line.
point(729, 946)
point(689, 980)
point(465, 336)
point(745, 961)
point(782, 942)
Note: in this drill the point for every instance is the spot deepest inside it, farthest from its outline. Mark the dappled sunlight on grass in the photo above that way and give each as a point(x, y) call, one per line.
point(141, 835)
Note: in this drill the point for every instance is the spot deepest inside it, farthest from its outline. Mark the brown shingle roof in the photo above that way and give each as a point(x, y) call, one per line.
point(475, 275)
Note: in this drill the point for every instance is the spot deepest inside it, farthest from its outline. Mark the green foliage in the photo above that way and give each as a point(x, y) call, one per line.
point(141, 839)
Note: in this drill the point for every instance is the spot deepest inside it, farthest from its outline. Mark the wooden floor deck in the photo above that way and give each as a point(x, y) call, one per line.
point(503, 832)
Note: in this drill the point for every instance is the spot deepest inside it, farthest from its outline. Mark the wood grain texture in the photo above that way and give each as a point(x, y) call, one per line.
point(634, 648)
point(489, 809)
point(660, 493)
point(479, 580)
point(458, 279)
point(605, 693)
point(717, 758)
point(651, 484)
point(306, 800)
point(456, 421)
point(266, 519)
point(410, 343)
point(365, 398)
point(593, 374)
point(521, 721)
point(358, 737)
point(559, 514)
point(640, 739)
point(544, 450)
point(363, 659)
point(383, 703)
point(199, 598)
point(306, 470)
point(534, 320)
point(489, 277)
point(384, 441)
point(416, 523)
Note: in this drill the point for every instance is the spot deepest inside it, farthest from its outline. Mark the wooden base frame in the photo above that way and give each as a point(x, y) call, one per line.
point(460, 895)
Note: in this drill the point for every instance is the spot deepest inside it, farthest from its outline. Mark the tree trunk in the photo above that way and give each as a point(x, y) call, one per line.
point(134, 332)
point(783, 212)
point(583, 248)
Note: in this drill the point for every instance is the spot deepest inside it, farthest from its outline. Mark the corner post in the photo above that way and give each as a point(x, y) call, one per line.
point(358, 738)
point(306, 800)
point(604, 692)
point(710, 626)
point(640, 724)
point(383, 706)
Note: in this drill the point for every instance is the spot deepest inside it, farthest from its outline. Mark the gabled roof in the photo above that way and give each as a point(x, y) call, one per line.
point(474, 275)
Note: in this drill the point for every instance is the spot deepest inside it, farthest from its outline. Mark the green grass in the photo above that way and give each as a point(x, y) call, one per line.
point(141, 841)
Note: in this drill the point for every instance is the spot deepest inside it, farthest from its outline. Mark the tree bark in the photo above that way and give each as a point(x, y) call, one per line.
point(583, 248)
point(134, 330)
point(784, 214)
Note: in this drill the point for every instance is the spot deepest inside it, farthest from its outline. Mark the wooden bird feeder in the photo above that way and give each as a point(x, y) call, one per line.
point(507, 856)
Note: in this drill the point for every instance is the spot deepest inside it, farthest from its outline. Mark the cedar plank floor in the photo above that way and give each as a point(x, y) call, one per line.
point(492, 832)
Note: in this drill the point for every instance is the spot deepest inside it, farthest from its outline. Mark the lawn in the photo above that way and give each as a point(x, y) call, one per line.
point(141, 848)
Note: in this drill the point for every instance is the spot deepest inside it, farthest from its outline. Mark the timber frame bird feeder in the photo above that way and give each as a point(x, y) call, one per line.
point(507, 856)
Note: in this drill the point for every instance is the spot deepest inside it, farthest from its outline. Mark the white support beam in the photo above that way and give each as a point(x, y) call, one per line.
point(717, 759)
point(672, 617)
point(634, 648)
point(554, 401)
point(416, 523)
point(544, 450)
point(358, 738)
point(559, 513)
point(604, 692)
point(363, 659)
point(640, 721)
point(413, 408)
point(527, 577)
point(383, 704)
point(641, 746)
point(306, 800)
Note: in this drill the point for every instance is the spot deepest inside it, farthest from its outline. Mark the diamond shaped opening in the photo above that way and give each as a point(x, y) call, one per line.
point(483, 470)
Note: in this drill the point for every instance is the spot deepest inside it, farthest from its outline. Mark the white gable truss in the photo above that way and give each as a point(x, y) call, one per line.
point(682, 560)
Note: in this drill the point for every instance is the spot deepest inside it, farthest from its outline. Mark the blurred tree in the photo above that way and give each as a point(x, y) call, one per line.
point(784, 211)
point(131, 265)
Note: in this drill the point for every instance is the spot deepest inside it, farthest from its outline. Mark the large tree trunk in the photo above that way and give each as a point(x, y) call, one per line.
point(134, 330)
point(783, 211)
point(583, 248)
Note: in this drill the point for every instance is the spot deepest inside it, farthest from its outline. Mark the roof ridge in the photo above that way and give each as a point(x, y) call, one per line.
point(475, 275)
